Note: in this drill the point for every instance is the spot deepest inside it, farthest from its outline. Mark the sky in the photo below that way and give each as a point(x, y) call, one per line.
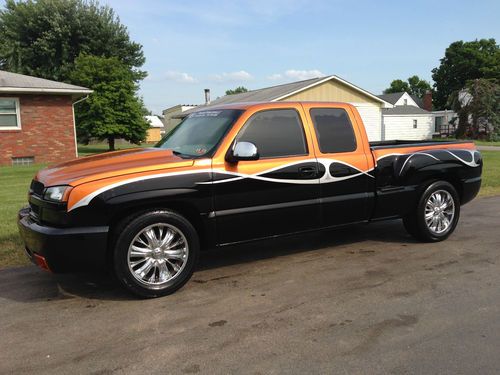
point(193, 45)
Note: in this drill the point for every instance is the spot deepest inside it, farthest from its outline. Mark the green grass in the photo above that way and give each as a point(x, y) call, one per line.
point(491, 174)
point(14, 183)
point(97, 148)
point(477, 142)
point(488, 143)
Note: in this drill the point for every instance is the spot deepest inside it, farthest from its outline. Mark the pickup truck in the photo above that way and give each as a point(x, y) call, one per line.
point(237, 173)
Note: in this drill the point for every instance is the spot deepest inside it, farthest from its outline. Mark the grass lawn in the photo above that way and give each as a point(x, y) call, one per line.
point(14, 183)
point(479, 143)
point(486, 143)
point(96, 148)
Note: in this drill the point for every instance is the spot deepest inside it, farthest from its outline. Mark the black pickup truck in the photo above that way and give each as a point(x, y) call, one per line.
point(237, 173)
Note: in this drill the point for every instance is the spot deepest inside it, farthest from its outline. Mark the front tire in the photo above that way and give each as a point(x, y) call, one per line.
point(436, 215)
point(155, 253)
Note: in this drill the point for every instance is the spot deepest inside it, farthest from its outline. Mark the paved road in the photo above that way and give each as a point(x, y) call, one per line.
point(356, 301)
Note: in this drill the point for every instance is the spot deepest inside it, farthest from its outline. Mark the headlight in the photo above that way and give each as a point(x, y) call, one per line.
point(57, 193)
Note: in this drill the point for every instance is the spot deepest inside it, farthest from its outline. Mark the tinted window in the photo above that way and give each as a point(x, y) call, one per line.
point(333, 129)
point(276, 133)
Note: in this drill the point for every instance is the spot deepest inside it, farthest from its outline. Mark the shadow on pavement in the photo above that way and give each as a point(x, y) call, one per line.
point(30, 284)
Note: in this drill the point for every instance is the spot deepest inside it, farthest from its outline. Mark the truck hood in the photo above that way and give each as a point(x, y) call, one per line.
point(111, 164)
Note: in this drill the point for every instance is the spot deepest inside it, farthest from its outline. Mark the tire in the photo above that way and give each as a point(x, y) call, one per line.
point(155, 253)
point(439, 201)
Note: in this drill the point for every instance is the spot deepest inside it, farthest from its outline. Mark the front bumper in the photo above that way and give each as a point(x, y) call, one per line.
point(63, 249)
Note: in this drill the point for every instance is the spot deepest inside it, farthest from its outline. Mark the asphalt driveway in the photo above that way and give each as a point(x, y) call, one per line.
point(365, 299)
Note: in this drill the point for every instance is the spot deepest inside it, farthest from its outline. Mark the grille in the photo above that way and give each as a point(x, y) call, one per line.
point(37, 188)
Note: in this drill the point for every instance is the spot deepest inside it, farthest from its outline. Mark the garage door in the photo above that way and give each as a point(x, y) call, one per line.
point(372, 118)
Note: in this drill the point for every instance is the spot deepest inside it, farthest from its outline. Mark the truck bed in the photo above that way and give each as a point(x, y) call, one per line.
point(410, 143)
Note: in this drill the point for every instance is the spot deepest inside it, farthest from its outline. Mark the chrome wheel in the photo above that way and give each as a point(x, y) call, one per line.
point(157, 254)
point(439, 211)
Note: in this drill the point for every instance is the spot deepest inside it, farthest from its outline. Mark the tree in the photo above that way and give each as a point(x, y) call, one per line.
point(413, 86)
point(478, 109)
point(462, 62)
point(237, 90)
point(113, 110)
point(43, 38)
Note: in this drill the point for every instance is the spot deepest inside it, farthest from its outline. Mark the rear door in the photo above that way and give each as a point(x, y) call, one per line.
point(277, 194)
point(347, 185)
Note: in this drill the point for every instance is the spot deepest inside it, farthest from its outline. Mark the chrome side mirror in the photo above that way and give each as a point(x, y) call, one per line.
point(243, 151)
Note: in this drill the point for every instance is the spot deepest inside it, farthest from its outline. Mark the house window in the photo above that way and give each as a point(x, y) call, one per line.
point(9, 114)
point(24, 160)
point(414, 124)
point(406, 101)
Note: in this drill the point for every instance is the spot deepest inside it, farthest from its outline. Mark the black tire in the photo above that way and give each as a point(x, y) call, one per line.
point(128, 231)
point(415, 223)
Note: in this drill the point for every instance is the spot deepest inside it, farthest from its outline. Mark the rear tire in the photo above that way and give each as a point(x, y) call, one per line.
point(436, 215)
point(155, 253)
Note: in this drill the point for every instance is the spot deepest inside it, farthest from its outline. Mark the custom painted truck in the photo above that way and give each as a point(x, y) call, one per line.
point(237, 173)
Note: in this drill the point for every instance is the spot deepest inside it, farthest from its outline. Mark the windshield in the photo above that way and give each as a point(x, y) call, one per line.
point(200, 133)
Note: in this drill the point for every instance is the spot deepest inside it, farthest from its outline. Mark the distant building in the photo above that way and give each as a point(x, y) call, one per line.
point(37, 123)
point(407, 120)
point(171, 116)
point(155, 130)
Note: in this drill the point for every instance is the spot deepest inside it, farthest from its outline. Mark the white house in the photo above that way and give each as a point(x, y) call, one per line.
point(406, 120)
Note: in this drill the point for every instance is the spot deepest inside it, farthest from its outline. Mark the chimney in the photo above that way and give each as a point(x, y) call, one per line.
point(207, 96)
point(427, 99)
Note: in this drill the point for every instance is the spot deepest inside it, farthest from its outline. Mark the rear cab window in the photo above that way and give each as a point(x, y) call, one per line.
point(334, 130)
point(276, 133)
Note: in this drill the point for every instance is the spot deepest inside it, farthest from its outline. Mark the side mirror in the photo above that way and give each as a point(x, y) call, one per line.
point(243, 151)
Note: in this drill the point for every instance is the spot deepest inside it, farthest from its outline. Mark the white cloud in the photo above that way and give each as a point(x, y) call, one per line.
point(303, 74)
point(180, 77)
point(232, 77)
point(275, 77)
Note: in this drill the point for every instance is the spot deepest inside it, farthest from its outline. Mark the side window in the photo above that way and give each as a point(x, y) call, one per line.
point(333, 129)
point(276, 133)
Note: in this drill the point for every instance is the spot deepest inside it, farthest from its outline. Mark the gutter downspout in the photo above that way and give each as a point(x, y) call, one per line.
point(74, 122)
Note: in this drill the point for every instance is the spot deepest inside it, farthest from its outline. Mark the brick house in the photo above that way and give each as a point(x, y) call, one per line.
point(37, 123)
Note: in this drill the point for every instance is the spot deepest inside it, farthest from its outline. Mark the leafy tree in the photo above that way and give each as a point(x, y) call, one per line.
point(478, 109)
point(113, 110)
point(464, 61)
point(413, 86)
point(398, 85)
point(43, 38)
point(237, 90)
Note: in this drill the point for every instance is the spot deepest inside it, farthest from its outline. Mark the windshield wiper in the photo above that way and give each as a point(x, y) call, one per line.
point(180, 154)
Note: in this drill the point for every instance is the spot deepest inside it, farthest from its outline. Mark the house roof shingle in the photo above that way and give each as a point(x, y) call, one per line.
point(405, 110)
point(13, 82)
point(268, 94)
point(394, 97)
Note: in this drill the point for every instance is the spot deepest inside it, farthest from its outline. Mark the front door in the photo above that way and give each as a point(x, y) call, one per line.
point(276, 194)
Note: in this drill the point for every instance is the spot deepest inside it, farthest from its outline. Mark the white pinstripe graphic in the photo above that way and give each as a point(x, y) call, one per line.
point(326, 178)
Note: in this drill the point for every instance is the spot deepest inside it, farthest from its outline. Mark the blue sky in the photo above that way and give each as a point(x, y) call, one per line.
point(192, 45)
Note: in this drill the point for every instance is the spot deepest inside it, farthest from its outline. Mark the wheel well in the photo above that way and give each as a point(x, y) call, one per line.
point(124, 216)
point(453, 180)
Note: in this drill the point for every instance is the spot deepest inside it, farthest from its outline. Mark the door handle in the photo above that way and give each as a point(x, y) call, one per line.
point(308, 171)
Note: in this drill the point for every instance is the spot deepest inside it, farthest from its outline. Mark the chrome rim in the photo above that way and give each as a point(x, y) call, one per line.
point(157, 254)
point(439, 211)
